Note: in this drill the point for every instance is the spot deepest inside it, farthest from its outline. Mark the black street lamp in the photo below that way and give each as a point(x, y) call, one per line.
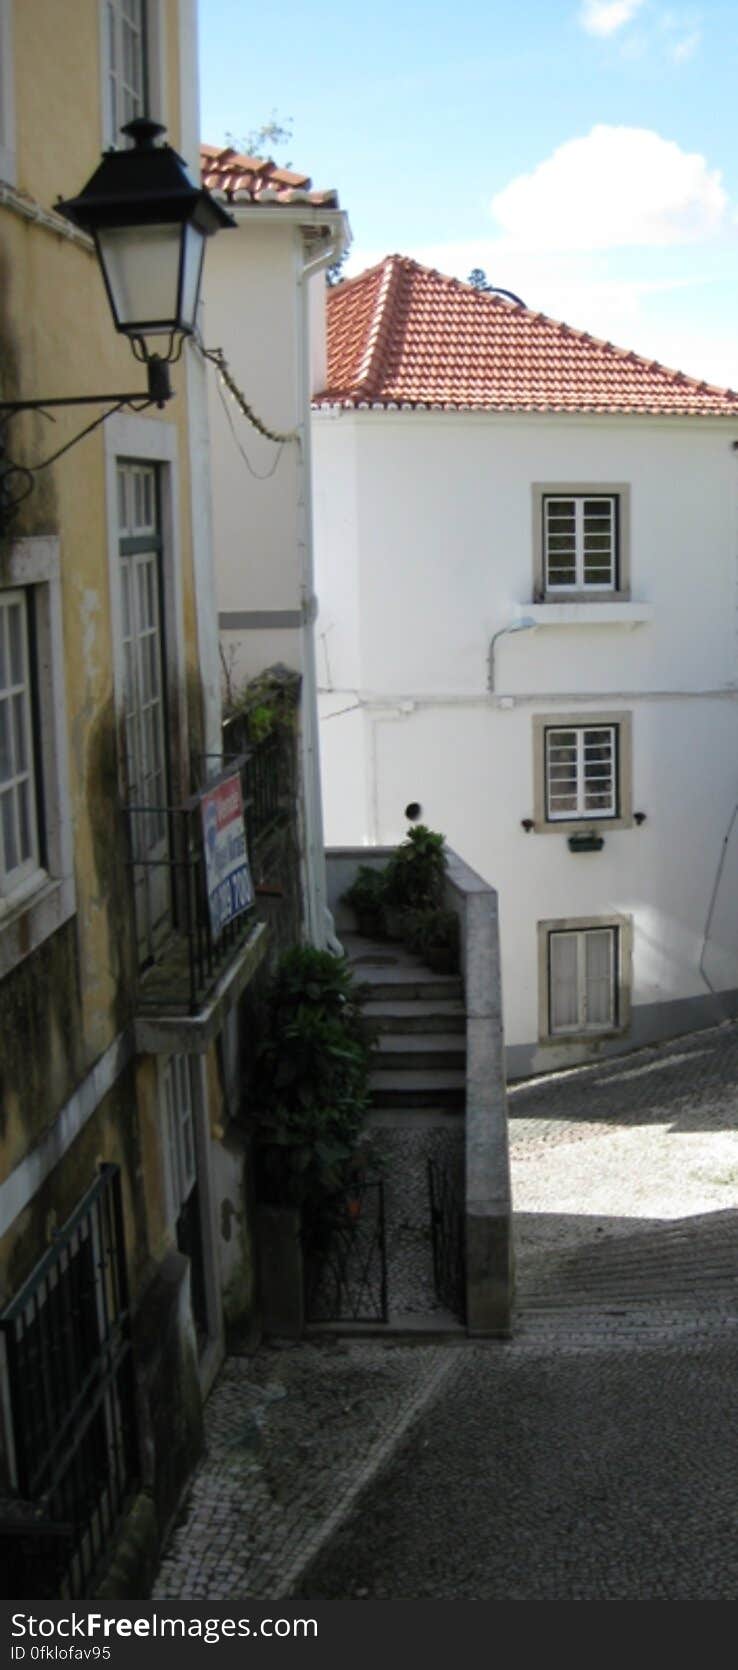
point(149, 221)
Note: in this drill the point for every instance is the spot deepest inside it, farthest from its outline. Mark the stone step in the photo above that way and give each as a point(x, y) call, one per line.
point(414, 1119)
point(408, 985)
point(435, 1015)
point(420, 1089)
point(414, 1051)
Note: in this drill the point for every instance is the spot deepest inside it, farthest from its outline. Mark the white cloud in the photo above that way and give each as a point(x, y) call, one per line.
point(686, 47)
point(605, 17)
point(613, 188)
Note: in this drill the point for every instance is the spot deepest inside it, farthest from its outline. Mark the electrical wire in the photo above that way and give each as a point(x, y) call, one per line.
point(218, 359)
point(713, 901)
point(257, 474)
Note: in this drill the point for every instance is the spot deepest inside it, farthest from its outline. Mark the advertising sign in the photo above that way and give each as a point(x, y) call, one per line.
point(227, 875)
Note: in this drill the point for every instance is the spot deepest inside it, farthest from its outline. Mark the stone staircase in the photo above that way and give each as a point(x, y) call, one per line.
point(418, 1098)
point(421, 1027)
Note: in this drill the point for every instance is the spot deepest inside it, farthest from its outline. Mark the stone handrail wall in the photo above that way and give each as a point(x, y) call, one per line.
point(489, 1255)
point(488, 1202)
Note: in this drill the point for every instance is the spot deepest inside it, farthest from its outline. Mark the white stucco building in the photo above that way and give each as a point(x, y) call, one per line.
point(526, 546)
point(264, 307)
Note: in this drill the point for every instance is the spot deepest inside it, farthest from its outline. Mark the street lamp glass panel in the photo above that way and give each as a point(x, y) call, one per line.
point(142, 271)
point(193, 250)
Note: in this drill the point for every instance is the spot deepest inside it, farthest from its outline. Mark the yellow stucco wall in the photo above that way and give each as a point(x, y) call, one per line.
point(57, 338)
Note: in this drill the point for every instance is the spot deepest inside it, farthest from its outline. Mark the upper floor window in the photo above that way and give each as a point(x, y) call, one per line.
point(144, 687)
point(581, 541)
point(7, 94)
point(127, 64)
point(582, 769)
point(36, 856)
point(19, 851)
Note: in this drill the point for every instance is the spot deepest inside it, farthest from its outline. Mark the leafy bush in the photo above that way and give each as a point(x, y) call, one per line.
point(432, 930)
point(416, 870)
point(311, 1088)
point(368, 891)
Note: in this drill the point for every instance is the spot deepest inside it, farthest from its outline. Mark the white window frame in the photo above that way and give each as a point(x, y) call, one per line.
point(179, 1128)
point(578, 928)
point(8, 171)
point(191, 1071)
point(151, 440)
point(617, 589)
point(153, 101)
point(585, 774)
point(44, 897)
point(16, 701)
point(621, 815)
point(580, 581)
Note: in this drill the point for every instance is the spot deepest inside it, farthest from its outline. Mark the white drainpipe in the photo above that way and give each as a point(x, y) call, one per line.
point(319, 922)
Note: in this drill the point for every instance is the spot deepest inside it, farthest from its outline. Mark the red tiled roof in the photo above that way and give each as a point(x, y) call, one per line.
point(404, 335)
point(238, 179)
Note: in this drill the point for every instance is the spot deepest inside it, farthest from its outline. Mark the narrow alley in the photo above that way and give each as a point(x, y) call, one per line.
point(591, 1457)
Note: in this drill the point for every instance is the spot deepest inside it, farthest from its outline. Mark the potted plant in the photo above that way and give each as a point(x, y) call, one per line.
point(415, 875)
point(434, 934)
point(366, 897)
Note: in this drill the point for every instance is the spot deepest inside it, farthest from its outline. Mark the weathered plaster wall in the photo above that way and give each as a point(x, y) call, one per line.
point(56, 337)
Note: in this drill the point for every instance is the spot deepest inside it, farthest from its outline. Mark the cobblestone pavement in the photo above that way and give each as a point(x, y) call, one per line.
point(292, 1435)
point(591, 1457)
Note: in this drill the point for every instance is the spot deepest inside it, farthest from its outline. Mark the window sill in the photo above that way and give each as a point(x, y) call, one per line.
point(27, 921)
point(583, 1037)
point(585, 614)
point(580, 826)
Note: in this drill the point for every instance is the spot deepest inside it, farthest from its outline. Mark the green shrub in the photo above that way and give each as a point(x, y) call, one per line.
point(415, 873)
point(311, 1085)
point(368, 892)
point(432, 930)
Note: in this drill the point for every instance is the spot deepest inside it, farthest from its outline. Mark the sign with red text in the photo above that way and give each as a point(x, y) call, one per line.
point(227, 876)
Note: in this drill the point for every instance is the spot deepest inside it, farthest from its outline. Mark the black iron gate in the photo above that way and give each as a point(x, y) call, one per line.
point(447, 1231)
point(345, 1257)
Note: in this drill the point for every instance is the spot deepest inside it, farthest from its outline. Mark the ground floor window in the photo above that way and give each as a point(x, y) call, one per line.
point(184, 1189)
point(585, 977)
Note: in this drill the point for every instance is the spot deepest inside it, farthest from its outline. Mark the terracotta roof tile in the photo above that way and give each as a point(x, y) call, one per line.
point(402, 335)
point(237, 179)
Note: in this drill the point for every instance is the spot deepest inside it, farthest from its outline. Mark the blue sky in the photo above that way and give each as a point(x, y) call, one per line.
point(584, 152)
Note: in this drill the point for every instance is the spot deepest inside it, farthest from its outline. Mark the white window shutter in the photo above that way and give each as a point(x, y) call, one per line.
point(564, 992)
point(598, 951)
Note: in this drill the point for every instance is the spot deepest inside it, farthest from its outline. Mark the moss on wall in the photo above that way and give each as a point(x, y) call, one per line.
point(42, 1056)
point(110, 854)
point(111, 1134)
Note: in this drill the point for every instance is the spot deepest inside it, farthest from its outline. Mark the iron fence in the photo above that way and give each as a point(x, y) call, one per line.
point(70, 1383)
point(345, 1257)
point(265, 772)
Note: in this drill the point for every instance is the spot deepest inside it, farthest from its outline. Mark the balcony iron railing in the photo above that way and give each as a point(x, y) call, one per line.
point(181, 958)
point(265, 798)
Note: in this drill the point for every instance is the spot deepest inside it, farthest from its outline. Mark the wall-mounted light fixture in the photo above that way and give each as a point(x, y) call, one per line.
point(149, 221)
